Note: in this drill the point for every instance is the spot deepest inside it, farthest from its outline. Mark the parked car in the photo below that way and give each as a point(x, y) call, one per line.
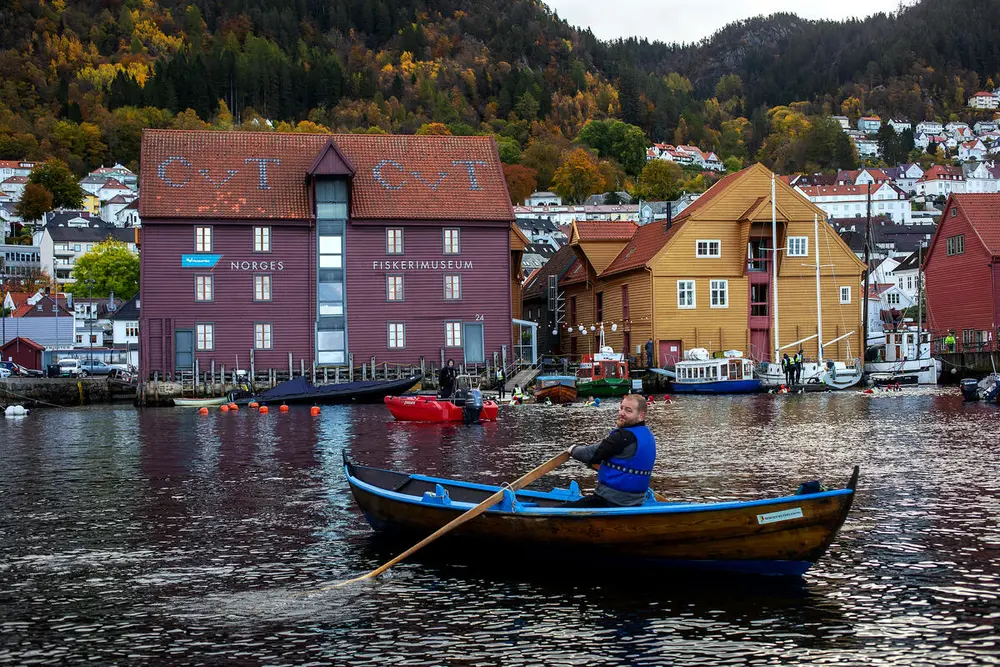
point(95, 367)
point(19, 370)
point(4, 373)
point(71, 368)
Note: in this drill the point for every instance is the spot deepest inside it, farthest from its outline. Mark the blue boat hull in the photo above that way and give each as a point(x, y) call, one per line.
point(723, 387)
point(776, 536)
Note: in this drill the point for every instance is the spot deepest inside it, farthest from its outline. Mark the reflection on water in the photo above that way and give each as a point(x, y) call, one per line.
point(160, 536)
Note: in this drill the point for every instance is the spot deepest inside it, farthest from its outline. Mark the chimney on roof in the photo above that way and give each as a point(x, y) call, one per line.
point(670, 218)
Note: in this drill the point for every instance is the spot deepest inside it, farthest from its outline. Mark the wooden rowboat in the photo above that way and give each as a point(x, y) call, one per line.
point(775, 536)
point(556, 388)
point(200, 402)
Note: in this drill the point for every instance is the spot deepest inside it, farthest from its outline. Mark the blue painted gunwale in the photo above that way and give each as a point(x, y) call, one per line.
point(564, 494)
point(721, 387)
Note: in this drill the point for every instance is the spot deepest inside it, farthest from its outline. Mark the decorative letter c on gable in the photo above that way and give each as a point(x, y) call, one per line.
point(161, 171)
point(377, 173)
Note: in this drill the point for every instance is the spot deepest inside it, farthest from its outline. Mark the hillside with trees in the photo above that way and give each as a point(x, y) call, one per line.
point(82, 79)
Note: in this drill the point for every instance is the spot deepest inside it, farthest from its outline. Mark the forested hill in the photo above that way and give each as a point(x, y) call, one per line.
point(81, 78)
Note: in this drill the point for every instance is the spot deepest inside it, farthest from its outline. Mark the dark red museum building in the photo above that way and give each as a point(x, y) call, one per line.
point(321, 246)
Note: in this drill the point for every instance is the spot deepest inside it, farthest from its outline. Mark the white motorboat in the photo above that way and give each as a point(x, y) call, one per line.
point(898, 360)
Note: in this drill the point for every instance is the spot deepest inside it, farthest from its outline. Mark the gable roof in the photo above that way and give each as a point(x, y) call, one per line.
point(981, 212)
point(603, 230)
point(645, 243)
point(128, 310)
point(21, 340)
point(702, 201)
point(557, 266)
point(262, 175)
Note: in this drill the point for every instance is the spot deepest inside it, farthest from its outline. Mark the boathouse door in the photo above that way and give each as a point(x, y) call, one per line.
point(472, 341)
point(670, 353)
point(183, 349)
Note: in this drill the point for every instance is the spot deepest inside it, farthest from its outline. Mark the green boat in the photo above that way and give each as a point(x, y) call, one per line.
point(603, 374)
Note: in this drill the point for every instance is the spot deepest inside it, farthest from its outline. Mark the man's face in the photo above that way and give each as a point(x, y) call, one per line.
point(628, 413)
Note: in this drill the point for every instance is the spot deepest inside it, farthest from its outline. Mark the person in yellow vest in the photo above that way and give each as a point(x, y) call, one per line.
point(949, 341)
point(517, 395)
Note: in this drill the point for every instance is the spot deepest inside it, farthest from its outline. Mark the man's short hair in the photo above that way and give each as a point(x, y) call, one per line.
point(640, 402)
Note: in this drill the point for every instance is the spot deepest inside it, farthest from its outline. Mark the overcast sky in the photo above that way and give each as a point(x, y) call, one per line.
point(691, 20)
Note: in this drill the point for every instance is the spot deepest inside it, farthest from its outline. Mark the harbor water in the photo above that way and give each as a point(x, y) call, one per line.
point(162, 537)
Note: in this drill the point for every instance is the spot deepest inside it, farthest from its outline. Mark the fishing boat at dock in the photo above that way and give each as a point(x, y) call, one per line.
point(604, 373)
point(555, 388)
point(775, 536)
point(699, 373)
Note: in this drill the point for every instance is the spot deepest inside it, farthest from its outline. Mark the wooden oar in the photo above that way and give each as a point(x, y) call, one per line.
point(538, 472)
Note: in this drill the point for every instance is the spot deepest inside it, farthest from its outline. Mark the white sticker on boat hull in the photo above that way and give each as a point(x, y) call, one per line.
point(784, 515)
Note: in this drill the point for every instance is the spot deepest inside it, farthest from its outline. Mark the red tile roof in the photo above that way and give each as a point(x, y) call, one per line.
point(645, 243)
point(941, 172)
point(603, 230)
point(983, 213)
point(262, 175)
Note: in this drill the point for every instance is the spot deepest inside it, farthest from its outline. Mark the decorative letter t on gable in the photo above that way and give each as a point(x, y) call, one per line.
point(262, 168)
point(470, 166)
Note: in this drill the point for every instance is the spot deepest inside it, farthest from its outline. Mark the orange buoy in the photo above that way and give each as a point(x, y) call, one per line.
point(283, 408)
point(234, 407)
point(223, 408)
point(254, 405)
point(202, 411)
point(314, 410)
point(263, 410)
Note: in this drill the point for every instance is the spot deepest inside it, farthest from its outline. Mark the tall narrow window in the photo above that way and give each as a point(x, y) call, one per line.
point(626, 312)
point(452, 287)
point(397, 335)
point(394, 288)
point(453, 334)
point(452, 245)
point(331, 323)
point(204, 335)
point(203, 288)
point(262, 239)
point(394, 241)
point(572, 310)
point(202, 239)
point(262, 287)
point(720, 293)
point(262, 336)
point(685, 294)
point(599, 306)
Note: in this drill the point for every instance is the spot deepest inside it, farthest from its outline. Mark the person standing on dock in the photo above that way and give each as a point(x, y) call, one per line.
point(649, 353)
point(787, 369)
point(798, 366)
point(446, 379)
point(949, 341)
point(625, 459)
point(500, 380)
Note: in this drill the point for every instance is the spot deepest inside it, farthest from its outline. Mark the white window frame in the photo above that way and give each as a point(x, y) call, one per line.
point(845, 294)
point(451, 241)
point(453, 287)
point(705, 252)
point(260, 282)
point(453, 334)
point(204, 288)
point(203, 238)
point(395, 335)
point(798, 246)
point(262, 239)
point(263, 336)
point(682, 289)
point(204, 337)
point(892, 299)
point(394, 293)
point(394, 244)
point(715, 285)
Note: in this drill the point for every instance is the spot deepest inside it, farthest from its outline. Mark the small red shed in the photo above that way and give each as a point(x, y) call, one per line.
point(23, 351)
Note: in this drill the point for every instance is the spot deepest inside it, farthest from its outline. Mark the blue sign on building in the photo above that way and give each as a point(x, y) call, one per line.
point(199, 261)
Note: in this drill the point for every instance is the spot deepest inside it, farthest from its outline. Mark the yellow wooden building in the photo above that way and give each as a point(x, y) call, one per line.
point(705, 279)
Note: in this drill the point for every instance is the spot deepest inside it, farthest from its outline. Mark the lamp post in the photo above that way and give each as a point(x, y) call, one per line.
point(89, 282)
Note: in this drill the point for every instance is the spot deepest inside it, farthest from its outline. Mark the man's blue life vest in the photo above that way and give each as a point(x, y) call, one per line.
point(631, 475)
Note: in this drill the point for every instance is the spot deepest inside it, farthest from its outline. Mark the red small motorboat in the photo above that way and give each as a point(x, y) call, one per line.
point(434, 409)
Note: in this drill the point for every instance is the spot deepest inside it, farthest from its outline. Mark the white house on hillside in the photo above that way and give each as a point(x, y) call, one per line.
point(984, 100)
point(847, 201)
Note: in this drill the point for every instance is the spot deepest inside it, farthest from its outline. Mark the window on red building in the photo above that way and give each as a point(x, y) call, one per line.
point(204, 289)
point(262, 239)
point(452, 287)
point(452, 244)
point(394, 241)
point(262, 287)
point(396, 335)
point(202, 239)
point(262, 336)
point(599, 306)
point(204, 335)
point(394, 288)
point(453, 334)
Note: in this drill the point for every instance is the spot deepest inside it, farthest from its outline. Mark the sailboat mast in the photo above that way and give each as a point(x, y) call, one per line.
point(920, 305)
point(774, 270)
point(819, 301)
point(868, 245)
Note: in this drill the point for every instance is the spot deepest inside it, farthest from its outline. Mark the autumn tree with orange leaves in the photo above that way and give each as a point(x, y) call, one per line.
point(577, 177)
point(521, 181)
